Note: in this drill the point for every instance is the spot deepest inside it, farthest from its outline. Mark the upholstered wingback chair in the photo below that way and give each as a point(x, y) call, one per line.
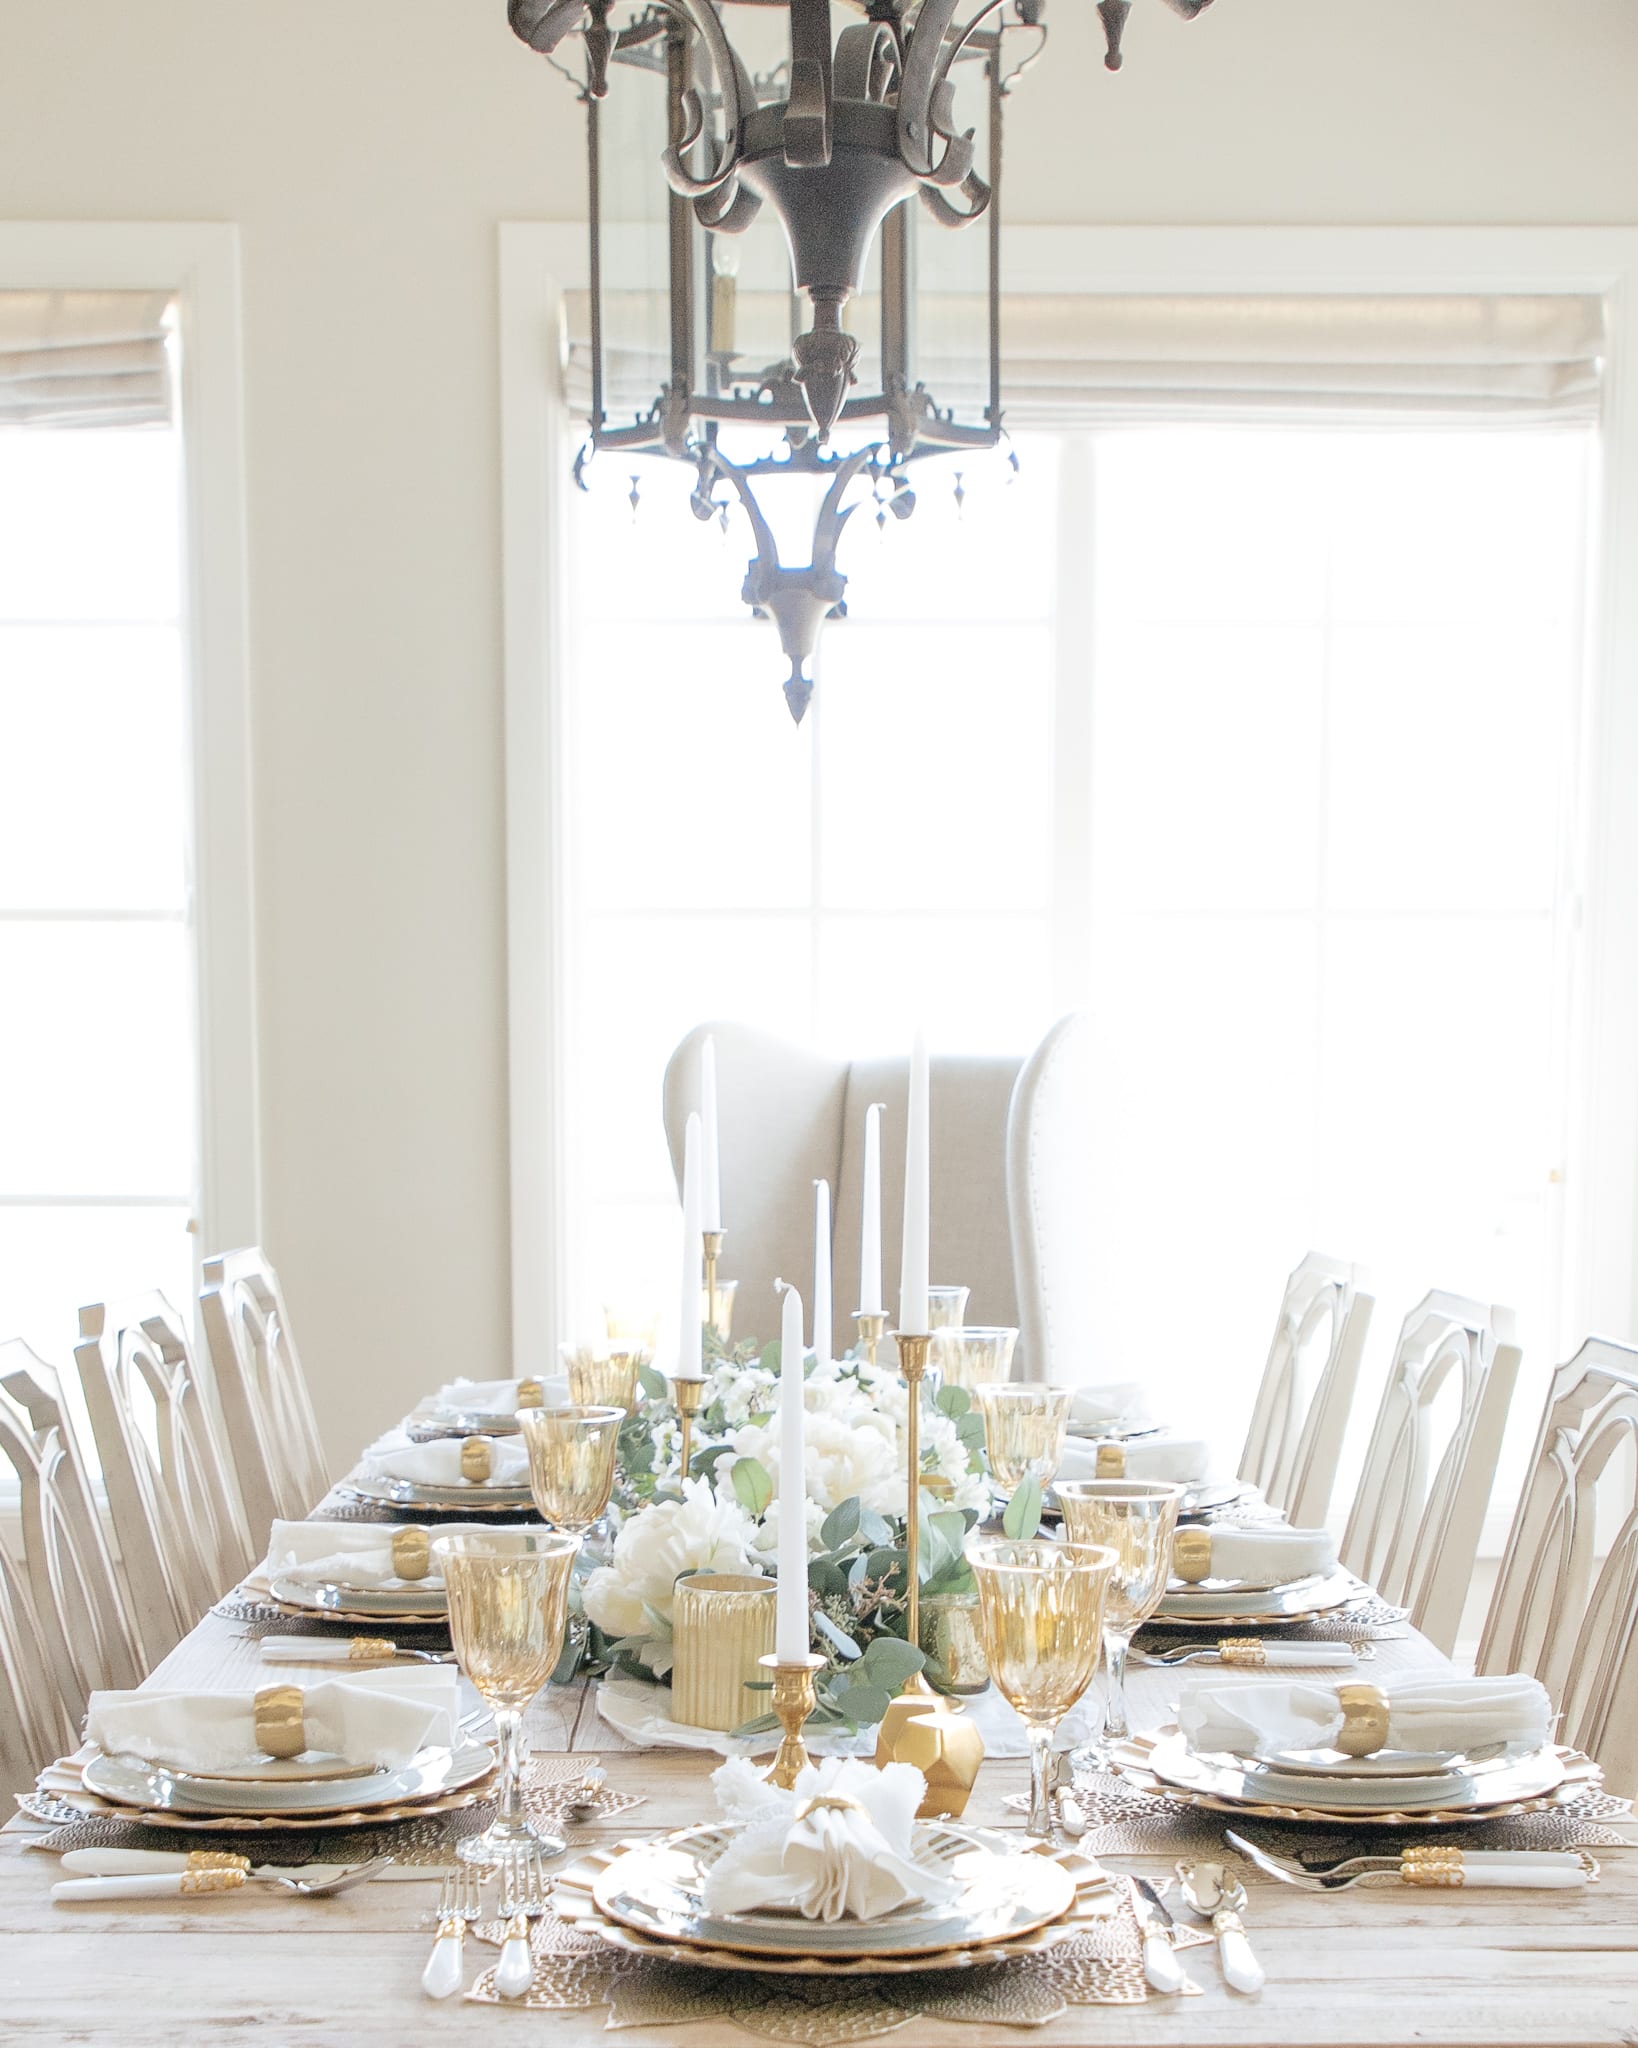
point(788, 1117)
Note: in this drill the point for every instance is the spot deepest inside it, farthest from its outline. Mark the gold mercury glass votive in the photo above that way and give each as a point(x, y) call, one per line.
point(721, 1623)
point(603, 1375)
point(953, 1638)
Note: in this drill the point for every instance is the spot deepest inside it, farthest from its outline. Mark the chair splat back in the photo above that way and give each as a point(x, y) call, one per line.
point(1295, 1440)
point(268, 1411)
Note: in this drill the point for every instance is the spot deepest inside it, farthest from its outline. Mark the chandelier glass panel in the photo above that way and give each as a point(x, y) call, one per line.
point(822, 205)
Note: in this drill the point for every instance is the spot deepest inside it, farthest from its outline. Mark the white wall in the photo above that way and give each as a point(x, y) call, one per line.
point(367, 153)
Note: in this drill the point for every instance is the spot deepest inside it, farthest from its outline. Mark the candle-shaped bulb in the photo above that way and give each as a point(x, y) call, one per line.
point(791, 1624)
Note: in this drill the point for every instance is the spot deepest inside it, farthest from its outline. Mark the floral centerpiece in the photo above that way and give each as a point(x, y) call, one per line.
point(723, 1515)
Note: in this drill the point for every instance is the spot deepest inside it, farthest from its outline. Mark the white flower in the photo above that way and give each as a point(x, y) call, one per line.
point(632, 1594)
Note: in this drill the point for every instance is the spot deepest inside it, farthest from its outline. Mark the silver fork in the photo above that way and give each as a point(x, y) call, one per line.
point(1540, 1869)
point(1195, 1653)
point(525, 1892)
point(164, 1884)
point(458, 1905)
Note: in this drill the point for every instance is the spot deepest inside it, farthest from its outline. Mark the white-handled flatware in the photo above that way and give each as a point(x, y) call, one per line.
point(1253, 1653)
point(1161, 1969)
point(515, 1971)
point(190, 1884)
point(327, 1650)
point(1436, 1868)
point(458, 1903)
point(1217, 1897)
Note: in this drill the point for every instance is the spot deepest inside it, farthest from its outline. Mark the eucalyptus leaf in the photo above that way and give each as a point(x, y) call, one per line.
point(954, 1402)
point(828, 1580)
point(769, 1361)
point(842, 1643)
point(890, 1660)
point(1022, 1517)
point(874, 1529)
point(841, 1525)
point(653, 1383)
point(753, 1485)
point(866, 1704)
point(970, 1429)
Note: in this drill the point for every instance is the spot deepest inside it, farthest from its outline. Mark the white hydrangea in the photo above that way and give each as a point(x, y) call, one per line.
point(704, 1531)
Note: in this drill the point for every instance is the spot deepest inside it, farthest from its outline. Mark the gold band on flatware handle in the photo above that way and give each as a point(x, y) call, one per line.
point(477, 1460)
point(210, 1881)
point(1244, 1650)
point(371, 1650)
point(280, 1729)
point(1111, 1461)
point(1444, 1868)
point(531, 1394)
point(1364, 1727)
point(1191, 1555)
point(411, 1553)
point(216, 1859)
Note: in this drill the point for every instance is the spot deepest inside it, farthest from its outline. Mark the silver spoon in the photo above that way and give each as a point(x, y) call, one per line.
point(1221, 1899)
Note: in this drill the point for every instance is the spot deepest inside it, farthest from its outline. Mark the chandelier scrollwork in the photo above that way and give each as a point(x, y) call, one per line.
point(834, 140)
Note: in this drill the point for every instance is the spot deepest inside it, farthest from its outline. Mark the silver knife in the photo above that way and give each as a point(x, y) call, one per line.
point(1160, 1966)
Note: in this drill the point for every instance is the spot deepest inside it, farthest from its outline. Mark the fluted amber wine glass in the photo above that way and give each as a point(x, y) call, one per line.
point(1023, 1431)
point(1136, 1519)
point(571, 1462)
point(508, 1595)
point(1040, 1606)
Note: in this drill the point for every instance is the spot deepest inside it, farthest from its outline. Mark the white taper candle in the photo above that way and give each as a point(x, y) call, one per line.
point(791, 1626)
point(917, 1199)
point(870, 1228)
point(821, 1271)
point(690, 1354)
point(710, 1157)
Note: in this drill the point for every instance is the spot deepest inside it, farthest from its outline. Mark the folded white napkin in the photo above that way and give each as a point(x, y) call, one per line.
point(439, 1464)
point(1271, 1557)
point(496, 1397)
point(377, 1717)
point(1117, 1401)
point(343, 1553)
point(1259, 1716)
point(855, 1857)
point(1175, 1460)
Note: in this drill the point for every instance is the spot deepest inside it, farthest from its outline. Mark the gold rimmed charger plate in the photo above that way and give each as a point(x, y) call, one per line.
point(1260, 1607)
point(355, 1603)
point(1564, 1774)
point(421, 1498)
point(575, 1900)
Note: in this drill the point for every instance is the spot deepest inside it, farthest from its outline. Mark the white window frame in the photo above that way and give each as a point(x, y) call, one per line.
point(198, 264)
point(540, 263)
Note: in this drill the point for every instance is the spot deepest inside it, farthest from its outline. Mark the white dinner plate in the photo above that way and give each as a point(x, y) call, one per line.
point(128, 1781)
point(386, 1603)
point(448, 1422)
point(1217, 1600)
point(414, 1493)
point(1226, 1783)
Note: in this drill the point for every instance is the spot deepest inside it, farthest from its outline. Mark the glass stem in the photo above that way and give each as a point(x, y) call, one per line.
point(509, 1734)
point(1115, 1645)
point(1040, 1772)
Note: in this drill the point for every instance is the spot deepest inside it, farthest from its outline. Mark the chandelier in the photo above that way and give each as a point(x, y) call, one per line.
point(795, 356)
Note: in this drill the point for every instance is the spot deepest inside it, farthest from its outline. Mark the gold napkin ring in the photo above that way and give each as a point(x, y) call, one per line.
point(828, 1802)
point(370, 1649)
point(1246, 1650)
point(216, 1859)
point(279, 1725)
point(477, 1460)
point(210, 1881)
point(1111, 1461)
point(1191, 1555)
point(1364, 1719)
point(411, 1553)
point(531, 1394)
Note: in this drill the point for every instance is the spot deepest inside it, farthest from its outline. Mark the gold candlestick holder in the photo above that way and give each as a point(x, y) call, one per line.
point(795, 1693)
point(872, 1329)
point(712, 1241)
point(689, 1395)
point(913, 1351)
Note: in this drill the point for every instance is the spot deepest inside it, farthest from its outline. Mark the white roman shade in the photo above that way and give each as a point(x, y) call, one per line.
point(1079, 359)
point(84, 358)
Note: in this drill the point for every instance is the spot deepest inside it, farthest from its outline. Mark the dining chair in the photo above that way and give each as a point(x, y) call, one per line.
point(1413, 1532)
point(267, 1410)
point(1301, 1412)
point(35, 1725)
point(79, 1610)
point(789, 1116)
point(176, 1511)
point(1565, 1606)
point(1049, 1205)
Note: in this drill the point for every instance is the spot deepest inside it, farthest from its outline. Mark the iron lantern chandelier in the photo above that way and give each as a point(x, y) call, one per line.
point(833, 135)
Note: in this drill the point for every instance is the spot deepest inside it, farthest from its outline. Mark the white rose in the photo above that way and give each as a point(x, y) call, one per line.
point(632, 1594)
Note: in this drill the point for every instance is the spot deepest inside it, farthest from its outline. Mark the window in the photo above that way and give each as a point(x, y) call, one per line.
point(99, 1145)
point(1257, 743)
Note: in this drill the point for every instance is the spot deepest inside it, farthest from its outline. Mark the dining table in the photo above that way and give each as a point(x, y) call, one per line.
point(1359, 1968)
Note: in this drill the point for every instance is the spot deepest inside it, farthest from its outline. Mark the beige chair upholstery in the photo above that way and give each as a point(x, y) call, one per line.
point(1565, 1606)
point(1049, 1140)
point(1417, 1517)
point(788, 1117)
